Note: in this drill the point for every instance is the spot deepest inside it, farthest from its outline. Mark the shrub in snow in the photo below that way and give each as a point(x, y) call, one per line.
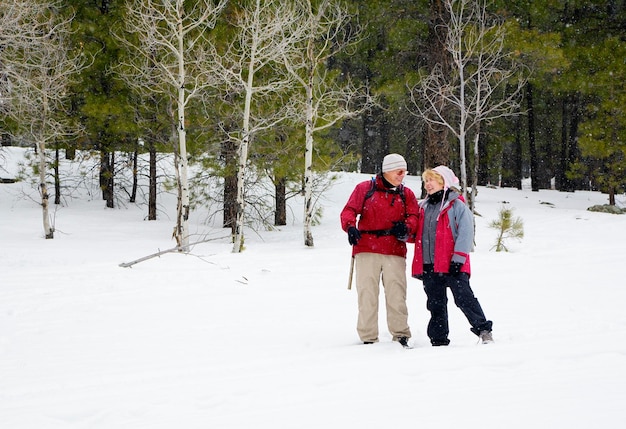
point(508, 227)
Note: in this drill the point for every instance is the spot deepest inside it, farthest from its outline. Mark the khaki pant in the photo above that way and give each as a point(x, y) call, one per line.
point(369, 267)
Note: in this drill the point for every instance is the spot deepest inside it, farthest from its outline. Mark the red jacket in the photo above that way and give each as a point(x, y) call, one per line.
point(453, 236)
point(378, 213)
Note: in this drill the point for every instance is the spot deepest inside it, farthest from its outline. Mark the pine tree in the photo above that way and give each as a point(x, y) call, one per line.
point(508, 228)
point(603, 133)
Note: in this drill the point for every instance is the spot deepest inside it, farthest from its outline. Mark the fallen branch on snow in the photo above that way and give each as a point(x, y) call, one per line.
point(162, 252)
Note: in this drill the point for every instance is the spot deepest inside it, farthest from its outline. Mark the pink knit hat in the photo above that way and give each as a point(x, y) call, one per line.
point(449, 179)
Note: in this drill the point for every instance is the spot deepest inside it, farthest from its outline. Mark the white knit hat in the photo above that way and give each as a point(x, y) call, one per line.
point(392, 162)
point(449, 179)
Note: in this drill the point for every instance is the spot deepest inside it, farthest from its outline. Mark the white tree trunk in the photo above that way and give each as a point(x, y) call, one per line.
point(43, 190)
point(326, 101)
point(476, 93)
point(308, 166)
point(268, 32)
point(183, 213)
point(462, 130)
point(475, 175)
point(171, 55)
point(39, 64)
point(238, 238)
point(455, 46)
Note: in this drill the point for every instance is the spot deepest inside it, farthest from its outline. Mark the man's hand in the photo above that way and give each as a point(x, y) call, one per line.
point(400, 231)
point(353, 235)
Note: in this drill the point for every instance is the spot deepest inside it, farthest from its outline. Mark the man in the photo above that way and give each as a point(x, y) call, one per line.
point(379, 217)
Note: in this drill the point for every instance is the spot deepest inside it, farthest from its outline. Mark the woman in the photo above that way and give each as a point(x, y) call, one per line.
point(445, 236)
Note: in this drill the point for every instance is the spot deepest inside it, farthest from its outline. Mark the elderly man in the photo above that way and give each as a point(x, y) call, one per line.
point(379, 217)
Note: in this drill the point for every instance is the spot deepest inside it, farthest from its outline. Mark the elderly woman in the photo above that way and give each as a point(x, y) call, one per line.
point(444, 239)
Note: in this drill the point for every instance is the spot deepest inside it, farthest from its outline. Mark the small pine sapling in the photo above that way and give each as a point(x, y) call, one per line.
point(508, 227)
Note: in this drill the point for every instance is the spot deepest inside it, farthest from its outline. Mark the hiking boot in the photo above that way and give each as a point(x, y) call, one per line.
point(439, 343)
point(485, 337)
point(368, 342)
point(404, 342)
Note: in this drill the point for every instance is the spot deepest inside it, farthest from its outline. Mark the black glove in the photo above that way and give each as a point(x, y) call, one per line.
point(353, 235)
point(455, 268)
point(400, 230)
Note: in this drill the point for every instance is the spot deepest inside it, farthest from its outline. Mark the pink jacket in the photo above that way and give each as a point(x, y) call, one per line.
point(454, 237)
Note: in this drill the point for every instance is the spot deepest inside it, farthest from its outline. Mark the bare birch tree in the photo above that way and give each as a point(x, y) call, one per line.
point(485, 81)
point(39, 64)
point(19, 27)
point(268, 31)
point(12, 14)
point(171, 46)
point(326, 98)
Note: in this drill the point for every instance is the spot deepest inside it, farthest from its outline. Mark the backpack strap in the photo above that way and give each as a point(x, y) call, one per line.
point(399, 190)
point(369, 192)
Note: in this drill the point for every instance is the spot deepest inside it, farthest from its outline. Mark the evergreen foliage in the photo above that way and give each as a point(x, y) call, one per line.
point(571, 130)
point(508, 227)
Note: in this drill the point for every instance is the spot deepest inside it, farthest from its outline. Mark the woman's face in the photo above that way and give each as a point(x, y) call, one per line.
point(395, 177)
point(432, 185)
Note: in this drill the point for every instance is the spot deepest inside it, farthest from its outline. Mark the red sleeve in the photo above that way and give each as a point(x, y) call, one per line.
point(354, 206)
point(412, 211)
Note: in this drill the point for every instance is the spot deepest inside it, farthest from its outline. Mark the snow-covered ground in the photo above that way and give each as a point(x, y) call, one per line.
point(267, 339)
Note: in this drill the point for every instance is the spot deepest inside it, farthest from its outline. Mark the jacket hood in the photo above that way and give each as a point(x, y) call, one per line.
point(449, 178)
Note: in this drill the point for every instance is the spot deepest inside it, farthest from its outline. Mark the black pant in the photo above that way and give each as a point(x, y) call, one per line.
point(435, 286)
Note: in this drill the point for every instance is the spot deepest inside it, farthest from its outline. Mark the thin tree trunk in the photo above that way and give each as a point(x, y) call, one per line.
point(152, 181)
point(107, 166)
point(561, 181)
point(547, 171)
point(43, 188)
point(422, 145)
point(183, 214)
point(280, 214)
point(229, 152)
point(176, 235)
point(462, 132)
point(308, 160)
point(104, 171)
point(572, 147)
point(238, 237)
point(414, 156)
point(517, 154)
point(475, 169)
point(57, 178)
point(512, 159)
point(484, 177)
point(133, 193)
point(534, 163)
point(368, 148)
point(385, 140)
point(110, 183)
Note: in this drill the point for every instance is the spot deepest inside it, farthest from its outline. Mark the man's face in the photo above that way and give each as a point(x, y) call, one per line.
point(395, 177)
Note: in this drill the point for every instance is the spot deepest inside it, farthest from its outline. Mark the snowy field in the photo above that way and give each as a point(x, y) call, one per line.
point(267, 338)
